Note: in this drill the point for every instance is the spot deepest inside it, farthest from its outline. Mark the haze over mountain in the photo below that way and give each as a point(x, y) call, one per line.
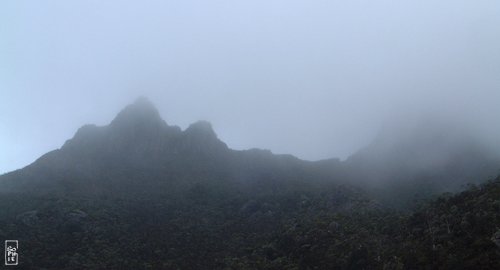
point(412, 161)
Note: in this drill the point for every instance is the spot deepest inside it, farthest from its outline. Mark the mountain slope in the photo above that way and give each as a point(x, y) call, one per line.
point(141, 194)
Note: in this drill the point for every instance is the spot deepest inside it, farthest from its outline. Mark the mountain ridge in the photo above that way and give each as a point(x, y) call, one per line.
point(139, 139)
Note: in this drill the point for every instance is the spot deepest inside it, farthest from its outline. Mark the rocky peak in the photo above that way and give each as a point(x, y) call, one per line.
point(201, 135)
point(140, 113)
point(201, 129)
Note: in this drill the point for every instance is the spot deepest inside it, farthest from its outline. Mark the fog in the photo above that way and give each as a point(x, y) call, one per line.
point(316, 79)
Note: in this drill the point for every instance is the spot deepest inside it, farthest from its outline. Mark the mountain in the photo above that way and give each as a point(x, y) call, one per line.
point(138, 149)
point(142, 194)
point(417, 160)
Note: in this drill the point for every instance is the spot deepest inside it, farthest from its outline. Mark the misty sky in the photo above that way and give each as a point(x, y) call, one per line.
point(315, 79)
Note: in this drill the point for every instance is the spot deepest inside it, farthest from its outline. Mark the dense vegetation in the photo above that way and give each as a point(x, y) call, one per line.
point(329, 229)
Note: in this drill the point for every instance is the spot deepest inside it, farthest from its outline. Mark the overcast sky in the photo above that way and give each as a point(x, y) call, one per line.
point(315, 79)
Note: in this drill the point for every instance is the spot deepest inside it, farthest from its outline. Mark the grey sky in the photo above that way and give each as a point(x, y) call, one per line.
point(312, 78)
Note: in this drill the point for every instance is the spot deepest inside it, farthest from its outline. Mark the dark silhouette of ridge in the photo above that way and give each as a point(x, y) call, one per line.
point(139, 142)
